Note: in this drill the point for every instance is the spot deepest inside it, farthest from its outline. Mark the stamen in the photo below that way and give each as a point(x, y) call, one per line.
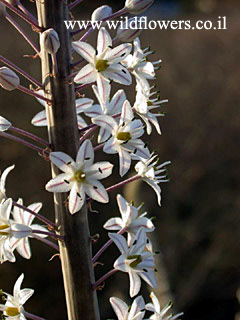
point(79, 176)
point(101, 65)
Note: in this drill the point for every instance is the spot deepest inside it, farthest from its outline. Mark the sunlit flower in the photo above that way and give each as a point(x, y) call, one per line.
point(49, 41)
point(152, 173)
point(80, 177)
point(131, 221)
point(125, 137)
point(82, 104)
point(23, 217)
point(106, 107)
point(103, 63)
point(136, 63)
point(9, 232)
point(158, 313)
point(143, 106)
point(101, 13)
point(124, 312)
point(135, 261)
point(13, 308)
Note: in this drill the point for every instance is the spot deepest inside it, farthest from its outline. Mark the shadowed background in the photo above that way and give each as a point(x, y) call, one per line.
point(198, 223)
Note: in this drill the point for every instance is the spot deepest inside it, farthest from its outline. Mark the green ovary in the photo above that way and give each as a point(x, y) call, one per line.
point(12, 312)
point(101, 65)
point(124, 136)
point(149, 103)
point(137, 259)
point(79, 176)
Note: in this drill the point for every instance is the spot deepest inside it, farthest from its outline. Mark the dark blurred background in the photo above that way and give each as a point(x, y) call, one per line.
point(198, 223)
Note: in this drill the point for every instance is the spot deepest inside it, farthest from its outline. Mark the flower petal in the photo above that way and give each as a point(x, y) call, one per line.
point(137, 306)
point(24, 295)
point(113, 224)
point(118, 73)
point(124, 162)
point(59, 184)
point(103, 88)
point(119, 241)
point(155, 187)
point(17, 286)
point(120, 308)
point(76, 200)
point(82, 104)
point(116, 103)
point(87, 74)
point(135, 283)
point(23, 248)
point(149, 277)
point(119, 53)
point(106, 122)
point(101, 170)
point(104, 41)
point(85, 50)
point(96, 191)
point(61, 160)
point(85, 153)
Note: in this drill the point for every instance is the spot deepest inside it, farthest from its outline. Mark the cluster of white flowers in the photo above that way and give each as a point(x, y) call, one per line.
point(120, 130)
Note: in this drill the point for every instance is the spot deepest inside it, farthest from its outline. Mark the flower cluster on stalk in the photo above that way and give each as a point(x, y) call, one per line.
point(120, 129)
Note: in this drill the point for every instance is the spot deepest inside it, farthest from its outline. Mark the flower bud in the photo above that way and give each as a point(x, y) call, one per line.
point(4, 124)
point(137, 6)
point(101, 13)
point(49, 41)
point(13, 2)
point(129, 30)
point(2, 9)
point(8, 79)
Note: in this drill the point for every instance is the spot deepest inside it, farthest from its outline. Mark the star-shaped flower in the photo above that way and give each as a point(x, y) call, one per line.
point(82, 104)
point(103, 63)
point(23, 217)
point(80, 177)
point(13, 308)
point(125, 137)
point(135, 261)
point(149, 171)
point(130, 220)
point(3, 182)
point(10, 232)
point(136, 63)
point(124, 312)
point(106, 107)
point(158, 313)
point(143, 106)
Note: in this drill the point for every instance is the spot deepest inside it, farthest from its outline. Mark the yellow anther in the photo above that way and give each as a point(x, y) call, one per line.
point(79, 176)
point(124, 136)
point(101, 65)
point(4, 226)
point(12, 312)
point(149, 103)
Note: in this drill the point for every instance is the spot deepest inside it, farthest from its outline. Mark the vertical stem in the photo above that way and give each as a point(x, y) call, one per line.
point(76, 253)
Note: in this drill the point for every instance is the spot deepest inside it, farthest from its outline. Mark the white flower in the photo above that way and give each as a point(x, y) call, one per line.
point(125, 137)
point(8, 79)
point(23, 217)
point(135, 261)
point(3, 182)
point(106, 107)
point(9, 232)
point(101, 13)
point(136, 63)
point(40, 119)
point(104, 62)
point(130, 221)
point(80, 177)
point(158, 313)
point(129, 30)
point(13, 308)
point(149, 171)
point(4, 124)
point(123, 312)
point(137, 6)
point(143, 106)
point(49, 41)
